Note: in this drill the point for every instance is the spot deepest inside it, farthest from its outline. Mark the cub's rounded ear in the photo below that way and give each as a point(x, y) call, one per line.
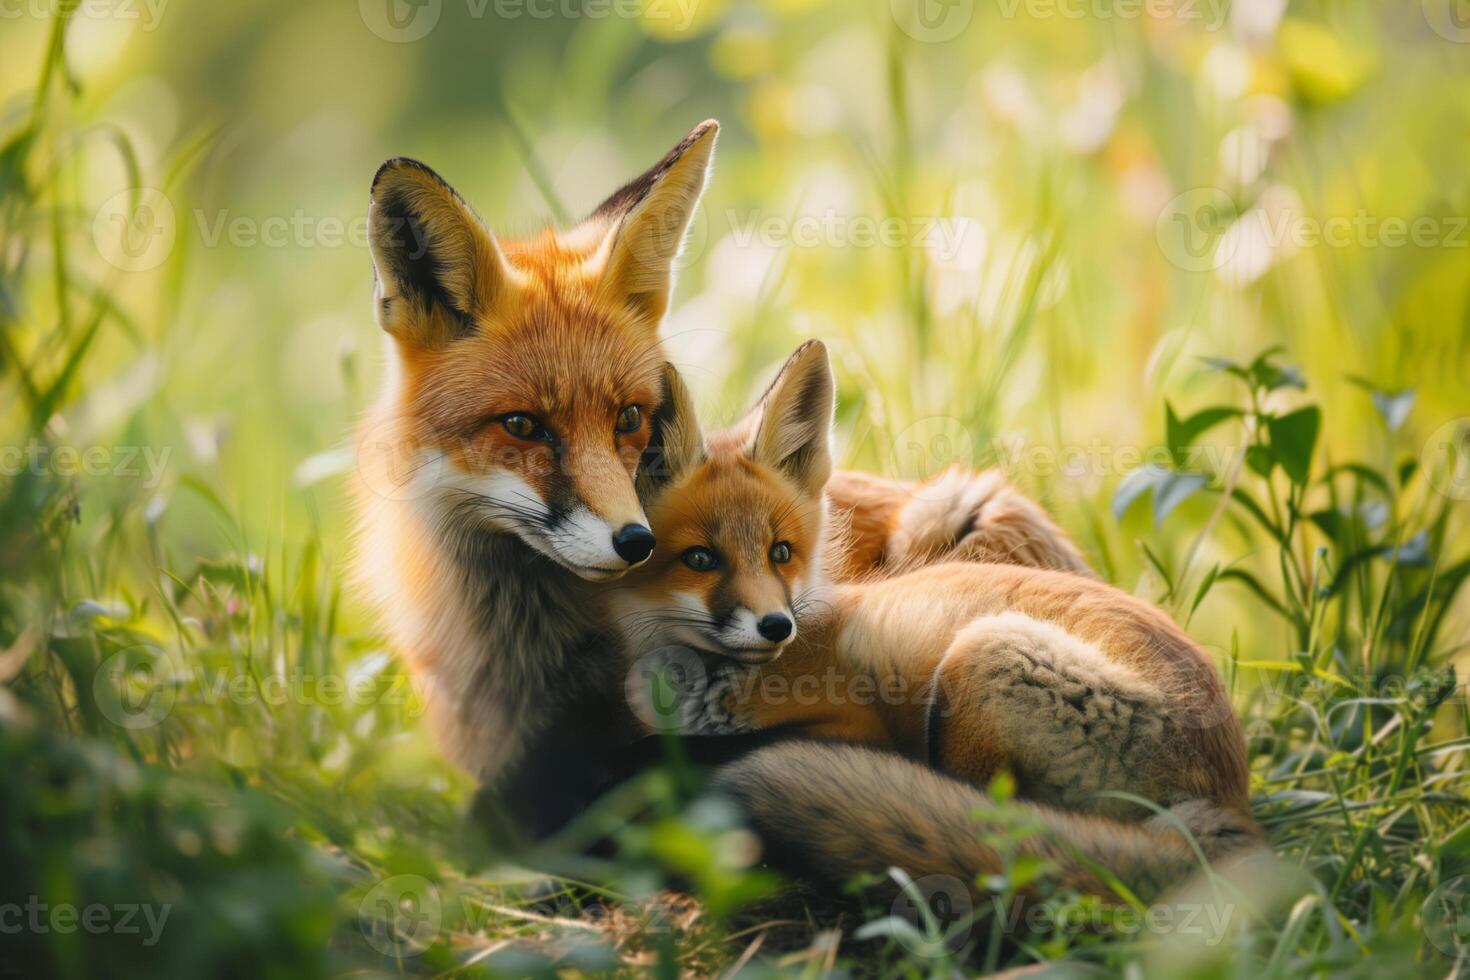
point(437, 270)
point(650, 216)
point(677, 443)
point(790, 430)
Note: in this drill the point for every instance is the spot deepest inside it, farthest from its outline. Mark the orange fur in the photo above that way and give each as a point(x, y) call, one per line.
point(940, 662)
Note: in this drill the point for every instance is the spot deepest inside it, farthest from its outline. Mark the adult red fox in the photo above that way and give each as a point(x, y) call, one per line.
point(502, 471)
point(1074, 687)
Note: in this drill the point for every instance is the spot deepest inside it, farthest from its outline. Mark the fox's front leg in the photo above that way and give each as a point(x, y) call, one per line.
point(961, 515)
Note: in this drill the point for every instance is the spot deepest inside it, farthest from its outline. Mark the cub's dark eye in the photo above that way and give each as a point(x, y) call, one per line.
point(630, 419)
point(700, 559)
point(780, 552)
point(526, 427)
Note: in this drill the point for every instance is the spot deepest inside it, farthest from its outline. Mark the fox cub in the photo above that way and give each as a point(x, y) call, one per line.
point(1069, 684)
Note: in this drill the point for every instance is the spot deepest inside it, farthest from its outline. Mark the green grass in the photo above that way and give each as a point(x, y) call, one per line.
point(198, 716)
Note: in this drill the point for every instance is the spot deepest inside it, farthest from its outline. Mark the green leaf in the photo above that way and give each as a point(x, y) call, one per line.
point(1454, 851)
point(1394, 407)
point(1362, 471)
point(1204, 588)
point(1159, 567)
point(1226, 366)
point(1254, 584)
point(1175, 490)
point(1244, 501)
point(1330, 522)
point(1264, 374)
point(1170, 488)
point(1293, 440)
point(1180, 434)
point(1133, 485)
point(1260, 459)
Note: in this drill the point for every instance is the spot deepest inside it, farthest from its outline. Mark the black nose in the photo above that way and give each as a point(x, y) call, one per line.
point(774, 627)
point(633, 543)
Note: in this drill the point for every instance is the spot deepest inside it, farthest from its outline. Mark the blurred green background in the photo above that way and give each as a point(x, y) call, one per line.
point(1020, 225)
point(1027, 167)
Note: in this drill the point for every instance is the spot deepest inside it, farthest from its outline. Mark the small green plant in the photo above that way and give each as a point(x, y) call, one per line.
point(1354, 780)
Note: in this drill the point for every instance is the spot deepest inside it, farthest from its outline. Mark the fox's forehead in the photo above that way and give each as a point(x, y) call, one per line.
point(735, 504)
point(553, 358)
point(562, 359)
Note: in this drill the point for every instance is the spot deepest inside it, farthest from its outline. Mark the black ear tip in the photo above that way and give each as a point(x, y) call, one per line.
point(395, 165)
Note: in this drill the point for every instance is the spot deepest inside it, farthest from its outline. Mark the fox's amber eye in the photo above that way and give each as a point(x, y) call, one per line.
point(700, 559)
point(780, 552)
point(630, 419)
point(526, 427)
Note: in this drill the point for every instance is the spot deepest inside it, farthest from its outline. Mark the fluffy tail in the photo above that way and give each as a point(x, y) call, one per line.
point(829, 812)
point(964, 515)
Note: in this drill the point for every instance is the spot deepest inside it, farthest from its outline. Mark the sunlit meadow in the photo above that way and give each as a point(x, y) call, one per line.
point(1193, 272)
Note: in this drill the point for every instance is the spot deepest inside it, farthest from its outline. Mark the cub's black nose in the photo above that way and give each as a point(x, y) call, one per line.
point(774, 627)
point(633, 543)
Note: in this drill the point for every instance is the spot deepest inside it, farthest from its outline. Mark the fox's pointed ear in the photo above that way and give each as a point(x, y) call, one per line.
point(652, 214)
point(677, 443)
point(791, 429)
point(437, 269)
